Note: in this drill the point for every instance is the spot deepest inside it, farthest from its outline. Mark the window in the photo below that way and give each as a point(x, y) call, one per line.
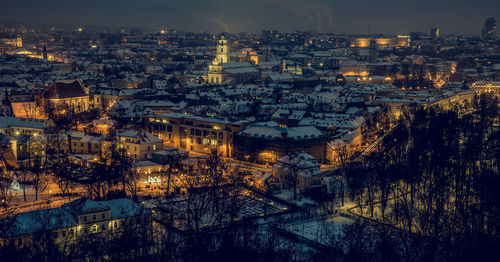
point(94, 217)
point(103, 227)
point(154, 147)
point(103, 216)
point(206, 142)
point(198, 132)
point(169, 136)
point(94, 229)
point(191, 132)
point(85, 218)
point(221, 135)
point(116, 224)
point(169, 128)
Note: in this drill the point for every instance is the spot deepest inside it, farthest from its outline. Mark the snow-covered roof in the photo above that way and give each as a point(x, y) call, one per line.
point(66, 215)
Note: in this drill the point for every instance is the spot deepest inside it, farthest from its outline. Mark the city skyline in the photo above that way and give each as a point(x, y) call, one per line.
point(363, 17)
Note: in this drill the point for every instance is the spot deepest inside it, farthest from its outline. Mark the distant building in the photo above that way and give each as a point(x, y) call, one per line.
point(223, 50)
point(490, 29)
point(215, 74)
point(481, 87)
point(222, 68)
point(11, 40)
point(435, 33)
point(381, 43)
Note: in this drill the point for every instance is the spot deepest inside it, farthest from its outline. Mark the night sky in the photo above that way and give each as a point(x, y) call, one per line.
point(352, 16)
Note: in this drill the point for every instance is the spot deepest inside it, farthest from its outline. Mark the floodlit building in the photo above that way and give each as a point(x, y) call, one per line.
point(67, 95)
point(481, 87)
point(265, 143)
point(193, 133)
point(139, 145)
point(222, 68)
point(298, 172)
point(215, 75)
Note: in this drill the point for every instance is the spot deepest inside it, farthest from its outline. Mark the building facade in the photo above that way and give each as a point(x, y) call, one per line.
point(195, 134)
point(67, 95)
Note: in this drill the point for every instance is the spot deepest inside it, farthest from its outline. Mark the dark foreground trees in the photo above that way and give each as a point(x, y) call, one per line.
point(434, 177)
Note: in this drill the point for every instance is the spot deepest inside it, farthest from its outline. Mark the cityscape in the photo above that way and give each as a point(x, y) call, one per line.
point(300, 143)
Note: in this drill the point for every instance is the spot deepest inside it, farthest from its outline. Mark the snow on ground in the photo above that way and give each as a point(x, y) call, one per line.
point(318, 230)
point(298, 200)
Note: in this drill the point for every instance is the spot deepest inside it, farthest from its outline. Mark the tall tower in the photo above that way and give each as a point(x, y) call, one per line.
point(19, 41)
point(435, 33)
point(223, 50)
point(490, 29)
point(373, 50)
point(44, 52)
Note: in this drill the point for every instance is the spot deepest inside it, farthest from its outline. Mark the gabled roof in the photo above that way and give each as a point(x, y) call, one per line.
point(65, 89)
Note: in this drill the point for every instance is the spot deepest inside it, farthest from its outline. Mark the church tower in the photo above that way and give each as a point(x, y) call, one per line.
point(373, 50)
point(215, 70)
point(215, 75)
point(223, 51)
point(44, 52)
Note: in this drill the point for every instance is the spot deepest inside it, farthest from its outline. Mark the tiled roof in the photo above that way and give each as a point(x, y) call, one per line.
point(65, 89)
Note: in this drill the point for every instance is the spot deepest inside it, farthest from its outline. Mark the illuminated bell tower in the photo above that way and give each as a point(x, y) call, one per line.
point(215, 75)
point(223, 51)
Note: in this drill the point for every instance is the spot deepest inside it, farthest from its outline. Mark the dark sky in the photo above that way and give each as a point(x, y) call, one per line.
point(347, 16)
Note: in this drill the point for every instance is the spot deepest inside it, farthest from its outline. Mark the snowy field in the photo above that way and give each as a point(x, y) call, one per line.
point(318, 230)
